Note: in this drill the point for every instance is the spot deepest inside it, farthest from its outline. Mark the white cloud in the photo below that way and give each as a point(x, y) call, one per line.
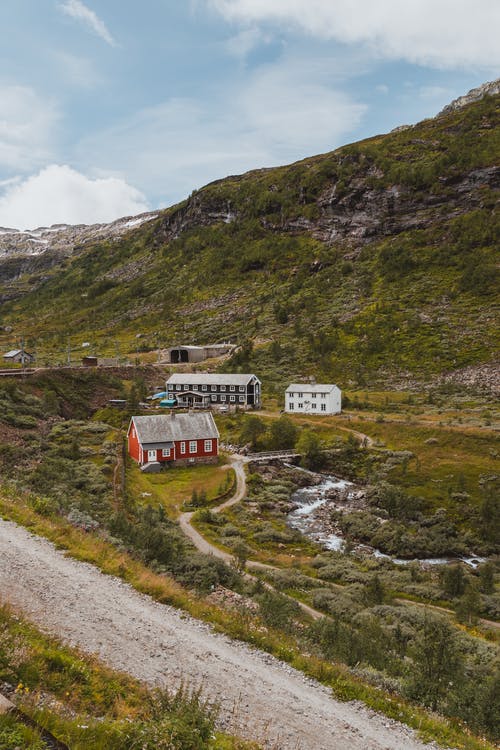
point(437, 33)
point(27, 128)
point(277, 114)
point(77, 10)
point(59, 194)
point(246, 40)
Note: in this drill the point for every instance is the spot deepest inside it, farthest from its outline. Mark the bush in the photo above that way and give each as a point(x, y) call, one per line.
point(179, 721)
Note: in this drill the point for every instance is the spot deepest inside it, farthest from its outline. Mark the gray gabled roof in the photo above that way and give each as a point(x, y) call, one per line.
point(312, 387)
point(165, 428)
point(209, 378)
point(13, 353)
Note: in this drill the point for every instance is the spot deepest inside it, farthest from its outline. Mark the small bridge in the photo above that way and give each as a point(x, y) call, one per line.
point(273, 455)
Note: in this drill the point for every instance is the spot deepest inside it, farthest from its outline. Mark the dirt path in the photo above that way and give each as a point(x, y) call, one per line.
point(238, 464)
point(260, 697)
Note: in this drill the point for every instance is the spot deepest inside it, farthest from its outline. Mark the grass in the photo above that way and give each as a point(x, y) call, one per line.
point(174, 487)
point(344, 685)
point(91, 705)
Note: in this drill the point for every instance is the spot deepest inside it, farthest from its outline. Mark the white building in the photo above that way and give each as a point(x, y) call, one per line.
point(313, 398)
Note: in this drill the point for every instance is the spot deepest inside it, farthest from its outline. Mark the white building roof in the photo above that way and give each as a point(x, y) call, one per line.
point(312, 388)
point(166, 428)
point(206, 378)
point(12, 353)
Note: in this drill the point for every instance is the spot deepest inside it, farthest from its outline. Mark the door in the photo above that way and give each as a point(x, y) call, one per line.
point(151, 455)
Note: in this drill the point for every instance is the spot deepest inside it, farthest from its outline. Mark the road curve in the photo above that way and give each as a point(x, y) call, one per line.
point(260, 697)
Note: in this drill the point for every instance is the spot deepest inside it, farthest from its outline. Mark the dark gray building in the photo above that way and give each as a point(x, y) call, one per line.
point(221, 388)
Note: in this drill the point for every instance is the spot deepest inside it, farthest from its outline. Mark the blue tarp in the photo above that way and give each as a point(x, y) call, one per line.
point(168, 402)
point(159, 395)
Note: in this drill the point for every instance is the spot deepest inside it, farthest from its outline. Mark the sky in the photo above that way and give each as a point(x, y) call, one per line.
point(109, 108)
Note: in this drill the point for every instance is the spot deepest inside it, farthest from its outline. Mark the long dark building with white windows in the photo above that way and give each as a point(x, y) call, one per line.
point(201, 389)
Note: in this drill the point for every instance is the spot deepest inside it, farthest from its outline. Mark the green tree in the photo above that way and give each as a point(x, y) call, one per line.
point(252, 430)
point(487, 578)
point(374, 591)
point(437, 662)
point(283, 434)
point(241, 551)
point(309, 447)
point(453, 580)
point(468, 606)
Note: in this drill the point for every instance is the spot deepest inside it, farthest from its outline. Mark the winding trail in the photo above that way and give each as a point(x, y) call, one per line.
point(238, 462)
point(260, 697)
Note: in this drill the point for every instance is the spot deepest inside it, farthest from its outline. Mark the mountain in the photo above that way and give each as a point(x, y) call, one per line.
point(66, 237)
point(372, 264)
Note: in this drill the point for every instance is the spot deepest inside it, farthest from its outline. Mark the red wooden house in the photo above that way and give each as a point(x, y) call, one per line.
point(177, 439)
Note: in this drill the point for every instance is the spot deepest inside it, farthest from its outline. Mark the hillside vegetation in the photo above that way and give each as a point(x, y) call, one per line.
point(372, 263)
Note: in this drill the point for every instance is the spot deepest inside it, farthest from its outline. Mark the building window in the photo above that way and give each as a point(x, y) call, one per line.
point(291, 394)
point(223, 387)
point(213, 387)
point(300, 395)
point(178, 387)
point(242, 399)
point(323, 395)
point(171, 394)
point(232, 398)
point(192, 446)
point(323, 407)
point(194, 387)
point(183, 447)
point(187, 387)
point(313, 406)
point(208, 446)
point(203, 387)
point(313, 395)
point(223, 397)
point(232, 388)
point(242, 389)
point(290, 406)
point(165, 452)
point(299, 405)
point(214, 397)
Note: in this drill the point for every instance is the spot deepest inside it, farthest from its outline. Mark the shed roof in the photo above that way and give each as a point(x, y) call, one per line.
point(13, 353)
point(312, 387)
point(165, 428)
point(209, 378)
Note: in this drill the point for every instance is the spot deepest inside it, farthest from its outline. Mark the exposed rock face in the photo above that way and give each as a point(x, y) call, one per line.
point(64, 237)
point(357, 216)
point(474, 95)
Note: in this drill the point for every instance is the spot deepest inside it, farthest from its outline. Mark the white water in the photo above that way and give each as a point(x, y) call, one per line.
point(303, 519)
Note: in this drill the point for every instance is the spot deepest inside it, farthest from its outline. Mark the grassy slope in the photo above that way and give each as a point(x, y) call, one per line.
point(413, 299)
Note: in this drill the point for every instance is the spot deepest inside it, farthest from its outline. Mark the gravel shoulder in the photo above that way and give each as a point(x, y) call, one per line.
point(260, 697)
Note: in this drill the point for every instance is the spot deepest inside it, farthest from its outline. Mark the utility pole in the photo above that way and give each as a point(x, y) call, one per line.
point(23, 363)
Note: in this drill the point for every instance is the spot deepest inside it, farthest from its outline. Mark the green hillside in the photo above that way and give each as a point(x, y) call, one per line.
point(371, 264)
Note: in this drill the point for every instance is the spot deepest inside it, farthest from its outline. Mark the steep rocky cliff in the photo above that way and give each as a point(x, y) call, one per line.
point(372, 263)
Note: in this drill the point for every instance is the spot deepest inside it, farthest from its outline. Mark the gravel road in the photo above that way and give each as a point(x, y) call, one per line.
point(260, 697)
